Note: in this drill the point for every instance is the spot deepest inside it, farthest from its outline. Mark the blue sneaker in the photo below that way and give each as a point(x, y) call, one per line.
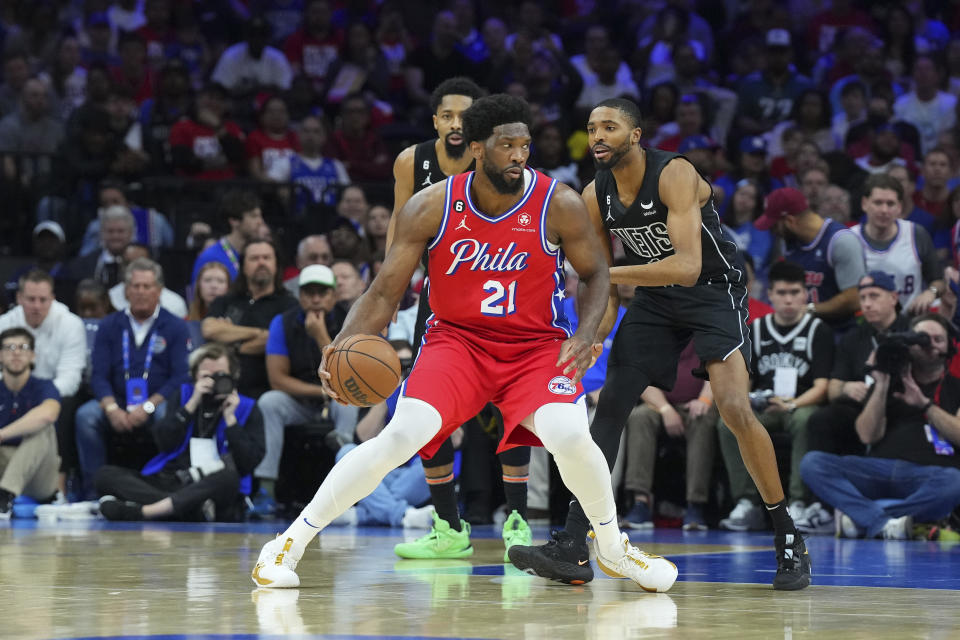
point(693, 518)
point(261, 504)
point(639, 516)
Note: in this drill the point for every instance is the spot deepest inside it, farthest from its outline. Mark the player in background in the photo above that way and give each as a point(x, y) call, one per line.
point(497, 334)
point(416, 168)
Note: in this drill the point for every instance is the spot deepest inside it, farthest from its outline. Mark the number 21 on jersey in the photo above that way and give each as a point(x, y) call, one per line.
point(501, 301)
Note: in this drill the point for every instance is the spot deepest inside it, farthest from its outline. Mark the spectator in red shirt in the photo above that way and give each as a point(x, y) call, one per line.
point(132, 76)
point(270, 147)
point(205, 145)
point(311, 48)
point(361, 149)
point(157, 32)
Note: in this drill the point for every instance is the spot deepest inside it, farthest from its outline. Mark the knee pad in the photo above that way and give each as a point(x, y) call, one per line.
point(414, 424)
point(562, 427)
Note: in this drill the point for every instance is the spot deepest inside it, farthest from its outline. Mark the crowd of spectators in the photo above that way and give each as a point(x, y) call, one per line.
point(178, 172)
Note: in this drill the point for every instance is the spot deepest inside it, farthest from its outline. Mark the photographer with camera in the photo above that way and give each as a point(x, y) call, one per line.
point(208, 449)
point(293, 350)
point(831, 428)
point(911, 424)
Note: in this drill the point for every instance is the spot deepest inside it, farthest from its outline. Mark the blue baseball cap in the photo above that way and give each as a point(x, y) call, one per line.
point(691, 143)
point(753, 144)
point(879, 279)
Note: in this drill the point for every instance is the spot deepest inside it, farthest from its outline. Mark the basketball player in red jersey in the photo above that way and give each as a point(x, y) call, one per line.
point(497, 239)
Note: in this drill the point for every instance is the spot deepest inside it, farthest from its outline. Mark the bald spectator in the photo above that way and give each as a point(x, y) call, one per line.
point(31, 129)
point(313, 249)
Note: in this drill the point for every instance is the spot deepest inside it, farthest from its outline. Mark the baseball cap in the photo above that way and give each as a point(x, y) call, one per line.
point(780, 204)
point(778, 38)
point(753, 144)
point(52, 227)
point(317, 274)
point(879, 279)
point(691, 143)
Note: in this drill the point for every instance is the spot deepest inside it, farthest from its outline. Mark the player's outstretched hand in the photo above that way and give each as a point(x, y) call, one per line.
point(576, 356)
point(325, 375)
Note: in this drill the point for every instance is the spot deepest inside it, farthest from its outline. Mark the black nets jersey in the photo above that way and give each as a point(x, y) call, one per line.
point(642, 227)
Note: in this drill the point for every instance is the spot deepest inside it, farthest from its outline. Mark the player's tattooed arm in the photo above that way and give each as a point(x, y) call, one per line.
point(682, 190)
point(402, 187)
point(613, 300)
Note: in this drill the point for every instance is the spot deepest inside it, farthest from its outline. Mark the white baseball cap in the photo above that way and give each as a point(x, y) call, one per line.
point(52, 227)
point(317, 274)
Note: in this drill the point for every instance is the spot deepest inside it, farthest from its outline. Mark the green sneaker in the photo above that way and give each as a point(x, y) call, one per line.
point(515, 531)
point(441, 542)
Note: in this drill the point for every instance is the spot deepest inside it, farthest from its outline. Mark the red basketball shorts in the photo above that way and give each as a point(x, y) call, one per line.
point(458, 373)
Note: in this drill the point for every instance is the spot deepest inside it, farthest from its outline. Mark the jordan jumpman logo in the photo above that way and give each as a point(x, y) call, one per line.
point(463, 225)
point(426, 181)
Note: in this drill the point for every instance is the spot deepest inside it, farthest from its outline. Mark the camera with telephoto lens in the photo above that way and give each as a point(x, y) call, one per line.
point(223, 383)
point(893, 354)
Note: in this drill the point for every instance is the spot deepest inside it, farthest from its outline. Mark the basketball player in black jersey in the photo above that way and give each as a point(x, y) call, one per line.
point(416, 168)
point(690, 285)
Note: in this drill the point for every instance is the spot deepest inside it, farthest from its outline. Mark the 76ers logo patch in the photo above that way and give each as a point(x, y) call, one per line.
point(524, 219)
point(562, 386)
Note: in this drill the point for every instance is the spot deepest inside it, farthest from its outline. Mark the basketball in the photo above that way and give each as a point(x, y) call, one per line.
point(364, 370)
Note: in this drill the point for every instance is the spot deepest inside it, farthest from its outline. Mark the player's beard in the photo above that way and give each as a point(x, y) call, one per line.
point(454, 151)
point(615, 154)
point(499, 182)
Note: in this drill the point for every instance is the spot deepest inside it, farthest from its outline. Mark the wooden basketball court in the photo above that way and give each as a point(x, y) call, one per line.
point(163, 580)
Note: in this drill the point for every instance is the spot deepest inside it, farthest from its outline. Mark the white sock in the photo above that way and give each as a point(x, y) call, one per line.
point(359, 472)
point(565, 433)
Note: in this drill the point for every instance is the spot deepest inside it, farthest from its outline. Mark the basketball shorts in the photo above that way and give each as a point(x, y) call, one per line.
point(662, 320)
point(458, 373)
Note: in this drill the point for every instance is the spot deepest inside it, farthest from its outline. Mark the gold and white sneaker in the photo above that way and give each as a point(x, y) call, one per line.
point(652, 573)
point(276, 564)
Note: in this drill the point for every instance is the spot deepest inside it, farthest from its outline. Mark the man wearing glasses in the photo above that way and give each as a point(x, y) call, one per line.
point(29, 407)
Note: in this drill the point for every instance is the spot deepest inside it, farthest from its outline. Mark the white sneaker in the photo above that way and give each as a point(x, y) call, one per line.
point(348, 518)
point(898, 528)
point(652, 573)
point(746, 516)
point(845, 526)
point(815, 520)
point(418, 518)
point(276, 564)
point(797, 509)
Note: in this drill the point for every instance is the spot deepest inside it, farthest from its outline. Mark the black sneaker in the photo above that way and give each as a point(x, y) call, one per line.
point(6, 504)
point(113, 509)
point(561, 559)
point(793, 563)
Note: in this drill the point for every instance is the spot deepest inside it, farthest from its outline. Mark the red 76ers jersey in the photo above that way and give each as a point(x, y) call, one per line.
point(496, 274)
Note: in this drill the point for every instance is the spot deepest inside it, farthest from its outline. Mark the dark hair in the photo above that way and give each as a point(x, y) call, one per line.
point(236, 202)
point(786, 271)
point(35, 276)
point(882, 181)
point(456, 86)
point(14, 332)
point(492, 111)
point(935, 317)
point(826, 111)
point(240, 284)
point(850, 87)
point(628, 108)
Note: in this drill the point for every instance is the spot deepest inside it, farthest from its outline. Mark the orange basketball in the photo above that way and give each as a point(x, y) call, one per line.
point(364, 370)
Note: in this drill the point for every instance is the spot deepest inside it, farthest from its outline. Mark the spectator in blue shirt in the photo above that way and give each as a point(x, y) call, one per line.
point(241, 211)
point(139, 360)
point(766, 97)
point(29, 407)
point(293, 354)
